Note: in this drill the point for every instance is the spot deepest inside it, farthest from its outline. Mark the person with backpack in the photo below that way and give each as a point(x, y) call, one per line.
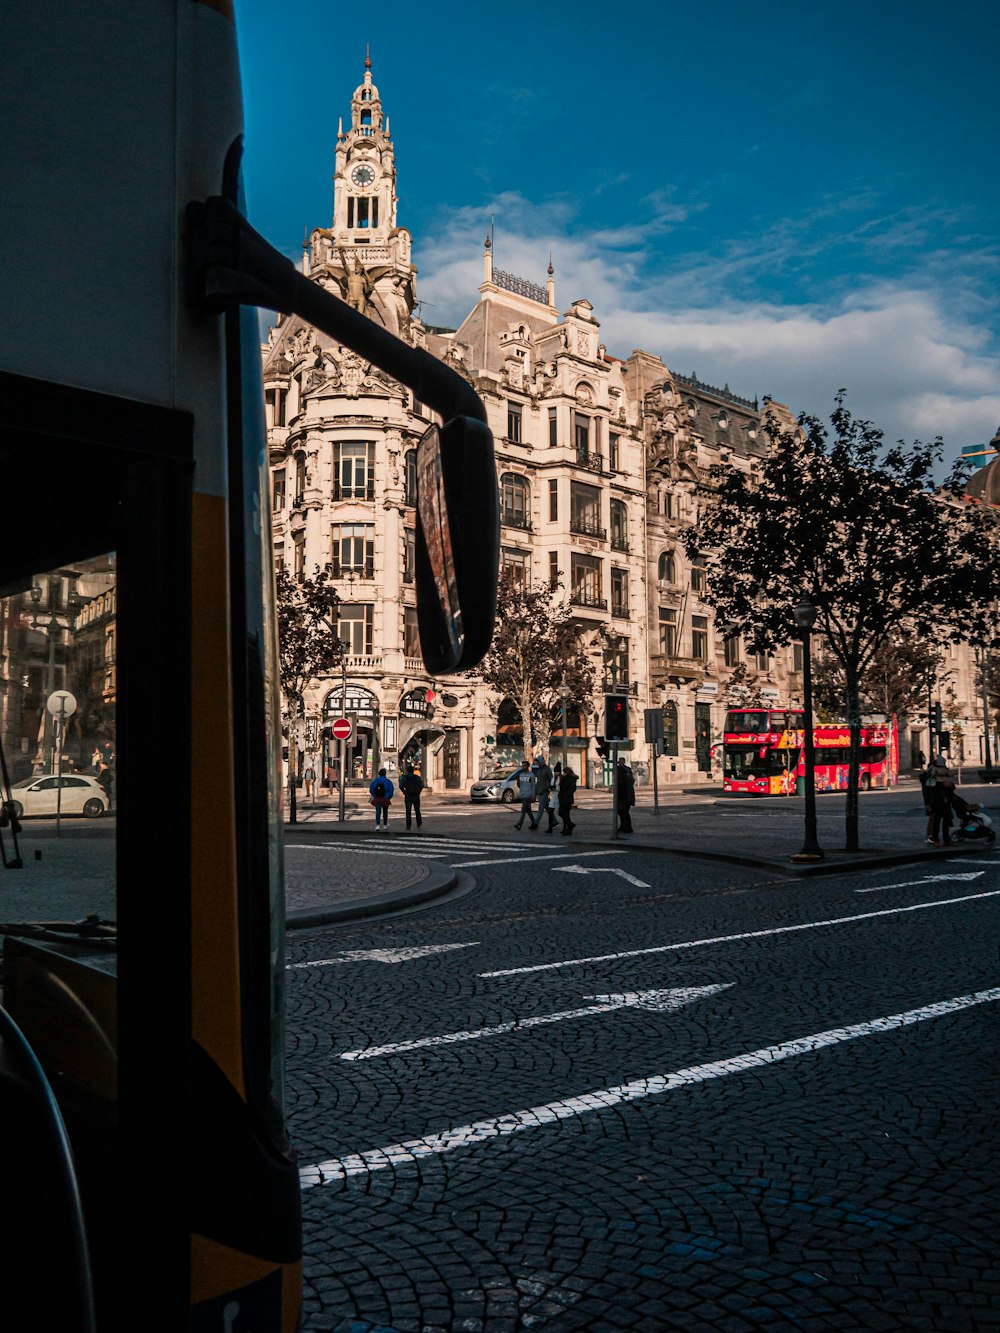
point(937, 803)
point(411, 785)
point(381, 792)
point(567, 793)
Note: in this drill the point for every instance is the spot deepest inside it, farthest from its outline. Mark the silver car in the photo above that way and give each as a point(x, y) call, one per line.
point(81, 795)
point(500, 785)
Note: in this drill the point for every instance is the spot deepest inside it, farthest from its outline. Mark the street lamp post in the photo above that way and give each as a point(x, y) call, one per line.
point(564, 697)
point(610, 655)
point(805, 618)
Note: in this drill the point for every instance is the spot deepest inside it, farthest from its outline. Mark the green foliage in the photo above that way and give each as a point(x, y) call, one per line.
point(894, 682)
point(537, 649)
point(308, 645)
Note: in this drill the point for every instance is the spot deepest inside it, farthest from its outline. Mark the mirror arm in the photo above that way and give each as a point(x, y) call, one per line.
point(230, 264)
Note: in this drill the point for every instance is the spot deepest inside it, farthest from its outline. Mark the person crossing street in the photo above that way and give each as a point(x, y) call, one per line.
point(526, 794)
point(411, 785)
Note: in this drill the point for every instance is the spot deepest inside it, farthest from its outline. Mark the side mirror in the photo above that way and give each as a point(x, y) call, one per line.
point(457, 544)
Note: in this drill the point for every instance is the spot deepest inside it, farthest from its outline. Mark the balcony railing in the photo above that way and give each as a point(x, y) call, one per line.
point(511, 518)
point(354, 492)
point(620, 610)
point(619, 542)
point(581, 597)
point(359, 571)
point(584, 526)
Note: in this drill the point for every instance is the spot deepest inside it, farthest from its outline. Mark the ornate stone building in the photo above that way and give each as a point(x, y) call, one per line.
point(602, 463)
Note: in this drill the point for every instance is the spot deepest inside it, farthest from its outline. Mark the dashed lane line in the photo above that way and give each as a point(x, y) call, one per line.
point(492, 1130)
point(743, 935)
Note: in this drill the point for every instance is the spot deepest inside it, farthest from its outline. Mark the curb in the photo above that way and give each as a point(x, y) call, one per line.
point(436, 884)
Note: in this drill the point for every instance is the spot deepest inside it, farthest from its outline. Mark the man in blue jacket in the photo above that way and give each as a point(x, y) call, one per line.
point(381, 792)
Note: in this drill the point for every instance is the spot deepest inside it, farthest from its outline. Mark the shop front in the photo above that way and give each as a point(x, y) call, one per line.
point(362, 759)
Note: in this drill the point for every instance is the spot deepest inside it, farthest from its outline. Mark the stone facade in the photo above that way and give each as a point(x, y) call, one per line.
point(602, 463)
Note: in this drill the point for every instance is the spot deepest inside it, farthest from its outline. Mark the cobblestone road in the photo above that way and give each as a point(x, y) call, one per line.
point(808, 1142)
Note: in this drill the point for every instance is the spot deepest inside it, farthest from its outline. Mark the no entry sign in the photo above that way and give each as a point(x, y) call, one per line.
point(342, 728)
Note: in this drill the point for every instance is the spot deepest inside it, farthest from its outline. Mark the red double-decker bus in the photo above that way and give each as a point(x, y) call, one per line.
point(764, 755)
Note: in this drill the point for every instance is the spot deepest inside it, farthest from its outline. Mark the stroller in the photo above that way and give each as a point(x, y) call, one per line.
point(973, 825)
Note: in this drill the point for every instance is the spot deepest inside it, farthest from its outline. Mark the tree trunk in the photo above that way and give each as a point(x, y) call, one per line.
point(526, 728)
point(854, 723)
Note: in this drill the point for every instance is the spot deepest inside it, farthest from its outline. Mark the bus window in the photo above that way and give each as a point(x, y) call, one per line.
point(749, 722)
point(745, 761)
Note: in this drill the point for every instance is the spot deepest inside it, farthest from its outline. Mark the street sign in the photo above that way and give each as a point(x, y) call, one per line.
point(653, 718)
point(61, 703)
point(342, 729)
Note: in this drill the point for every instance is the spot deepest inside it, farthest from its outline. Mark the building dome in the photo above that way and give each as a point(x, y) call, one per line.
point(984, 485)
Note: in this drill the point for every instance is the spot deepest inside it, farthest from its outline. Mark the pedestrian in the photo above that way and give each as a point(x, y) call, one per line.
point(626, 796)
point(937, 804)
point(381, 792)
point(105, 778)
point(526, 793)
point(567, 792)
point(411, 785)
point(310, 780)
point(544, 791)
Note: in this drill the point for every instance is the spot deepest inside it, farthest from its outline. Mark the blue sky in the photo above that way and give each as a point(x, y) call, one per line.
point(785, 197)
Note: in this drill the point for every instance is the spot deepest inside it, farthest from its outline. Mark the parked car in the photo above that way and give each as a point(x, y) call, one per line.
point(500, 785)
point(81, 795)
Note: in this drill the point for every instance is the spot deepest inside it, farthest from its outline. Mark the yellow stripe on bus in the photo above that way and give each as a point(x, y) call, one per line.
point(215, 1000)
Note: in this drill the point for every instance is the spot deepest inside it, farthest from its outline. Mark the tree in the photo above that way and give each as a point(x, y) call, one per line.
point(536, 650)
point(863, 532)
point(742, 688)
point(308, 647)
point(894, 684)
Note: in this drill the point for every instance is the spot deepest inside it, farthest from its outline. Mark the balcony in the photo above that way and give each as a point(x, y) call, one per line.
point(592, 462)
point(359, 571)
point(619, 543)
point(511, 518)
point(620, 610)
point(581, 597)
point(665, 666)
point(585, 526)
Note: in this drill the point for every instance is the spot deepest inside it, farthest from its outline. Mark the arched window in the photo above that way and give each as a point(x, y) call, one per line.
point(670, 727)
point(665, 570)
point(510, 730)
point(515, 501)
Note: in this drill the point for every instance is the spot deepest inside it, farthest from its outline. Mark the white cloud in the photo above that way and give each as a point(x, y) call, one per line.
point(911, 350)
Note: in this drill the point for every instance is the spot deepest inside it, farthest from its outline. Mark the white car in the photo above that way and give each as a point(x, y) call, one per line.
point(500, 785)
point(38, 796)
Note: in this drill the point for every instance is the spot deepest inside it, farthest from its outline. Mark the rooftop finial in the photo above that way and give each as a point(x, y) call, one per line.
point(551, 270)
point(368, 56)
point(488, 243)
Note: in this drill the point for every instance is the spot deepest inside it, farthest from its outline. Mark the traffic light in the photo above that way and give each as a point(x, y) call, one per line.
point(937, 719)
point(616, 717)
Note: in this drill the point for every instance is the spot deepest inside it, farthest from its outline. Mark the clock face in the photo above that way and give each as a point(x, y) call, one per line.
point(363, 174)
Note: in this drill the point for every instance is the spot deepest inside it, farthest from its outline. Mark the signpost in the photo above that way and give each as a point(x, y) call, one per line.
point(653, 718)
point(343, 730)
point(61, 704)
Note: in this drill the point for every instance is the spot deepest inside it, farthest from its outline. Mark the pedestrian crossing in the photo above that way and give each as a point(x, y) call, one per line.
point(459, 852)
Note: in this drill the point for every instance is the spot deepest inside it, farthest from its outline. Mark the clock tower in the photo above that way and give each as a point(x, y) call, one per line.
point(364, 237)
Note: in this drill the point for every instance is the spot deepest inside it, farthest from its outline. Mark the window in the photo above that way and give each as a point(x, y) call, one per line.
point(665, 571)
point(581, 434)
point(553, 568)
point(553, 428)
point(670, 742)
point(411, 632)
point(796, 657)
point(763, 662)
point(410, 477)
point(613, 451)
point(698, 576)
point(514, 423)
point(553, 500)
point(354, 549)
point(354, 627)
point(668, 631)
point(585, 510)
point(619, 525)
point(278, 490)
point(299, 559)
point(514, 564)
point(514, 501)
point(275, 400)
point(354, 470)
point(585, 581)
point(731, 649)
point(699, 637)
point(300, 478)
point(619, 592)
point(668, 504)
point(409, 555)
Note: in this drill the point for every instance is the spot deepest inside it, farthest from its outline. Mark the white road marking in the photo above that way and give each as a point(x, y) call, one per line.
point(429, 855)
point(482, 1131)
point(401, 955)
point(603, 870)
point(539, 856)
point(663, 1001)
point(744, 935)
point(968, 861)
point(928, 879)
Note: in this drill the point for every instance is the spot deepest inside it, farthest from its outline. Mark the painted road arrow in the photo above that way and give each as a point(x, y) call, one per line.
point(663, 1001)
point(603, 870)
point(402, 955)
point(928, 879)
